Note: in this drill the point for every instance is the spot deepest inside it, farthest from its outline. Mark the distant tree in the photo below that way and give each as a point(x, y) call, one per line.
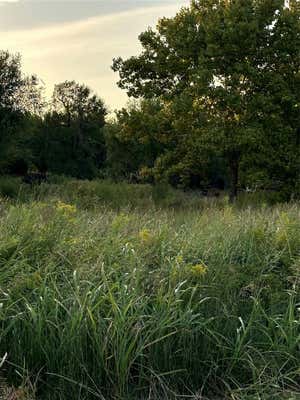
point(238, 60)
point(186, 161)
point(20, 96)
point(77, 102)
point(153, 140)
point(283, 87)
point(32, 97)
point(142, 129)
point(71, 139)
point(10, 84)
point(11, 80)
point(122, 155)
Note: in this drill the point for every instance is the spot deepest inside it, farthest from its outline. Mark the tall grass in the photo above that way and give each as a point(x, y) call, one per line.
point(104, 193)
point(146, 303)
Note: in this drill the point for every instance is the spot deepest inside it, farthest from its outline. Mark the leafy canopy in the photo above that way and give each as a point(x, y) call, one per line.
point(238, 60)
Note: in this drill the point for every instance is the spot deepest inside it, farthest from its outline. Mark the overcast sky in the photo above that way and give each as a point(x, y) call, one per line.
point(77, 39)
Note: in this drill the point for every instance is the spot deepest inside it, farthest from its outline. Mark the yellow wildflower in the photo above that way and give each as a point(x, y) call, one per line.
point(281, 237)
point(283, 229)
point(179, 259)
point(66, 209)
point(284, 219)
point(73, 241)
point(259, 233)
point(145, 235)
point(120, 221)
point(199, 269)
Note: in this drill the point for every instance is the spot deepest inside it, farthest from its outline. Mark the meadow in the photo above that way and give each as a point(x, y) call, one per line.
point(133, 292)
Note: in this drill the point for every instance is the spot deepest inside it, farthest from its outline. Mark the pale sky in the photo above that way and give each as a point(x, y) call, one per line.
point(77, 39)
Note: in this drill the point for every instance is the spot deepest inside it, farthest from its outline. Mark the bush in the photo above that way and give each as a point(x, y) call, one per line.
point(9, 187)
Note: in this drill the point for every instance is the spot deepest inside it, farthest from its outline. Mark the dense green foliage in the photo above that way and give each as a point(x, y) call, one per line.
point(19, 96)
point(70, 139)
point(109, 302)
point(227, 73)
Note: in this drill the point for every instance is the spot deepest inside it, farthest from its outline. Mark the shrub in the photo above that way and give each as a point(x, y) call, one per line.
point(9, 187)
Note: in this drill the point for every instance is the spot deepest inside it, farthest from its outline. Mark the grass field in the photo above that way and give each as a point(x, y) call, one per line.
point(129, 292)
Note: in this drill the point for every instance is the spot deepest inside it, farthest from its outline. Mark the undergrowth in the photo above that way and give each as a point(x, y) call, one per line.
point(106, 302)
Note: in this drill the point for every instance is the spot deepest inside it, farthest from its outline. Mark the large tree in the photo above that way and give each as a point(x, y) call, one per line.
point(20, 96)
point(79, 107)
point(154, 140)
point(11, 81)
point(239, 62)
point(70, 139)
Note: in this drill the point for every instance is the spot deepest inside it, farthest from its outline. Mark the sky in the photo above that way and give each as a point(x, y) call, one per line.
point(77, 39)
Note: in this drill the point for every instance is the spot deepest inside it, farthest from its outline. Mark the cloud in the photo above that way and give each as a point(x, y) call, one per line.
point(4, 2)
point(84, 50)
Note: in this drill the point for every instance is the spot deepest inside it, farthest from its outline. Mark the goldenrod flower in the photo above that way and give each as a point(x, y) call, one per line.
point(73, 241)
point(199, 269)
point(179, 259)
point(120, 221)
point(145, 235)
point(66, 209)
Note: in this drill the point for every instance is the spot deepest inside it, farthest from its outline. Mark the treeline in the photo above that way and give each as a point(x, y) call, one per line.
point(217, 105)
point(63, 136)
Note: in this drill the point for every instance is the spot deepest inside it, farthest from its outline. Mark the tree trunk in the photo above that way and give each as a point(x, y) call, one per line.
point(234, 175)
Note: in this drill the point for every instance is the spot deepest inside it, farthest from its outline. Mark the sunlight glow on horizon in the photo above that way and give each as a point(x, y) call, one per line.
point(83, 50)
